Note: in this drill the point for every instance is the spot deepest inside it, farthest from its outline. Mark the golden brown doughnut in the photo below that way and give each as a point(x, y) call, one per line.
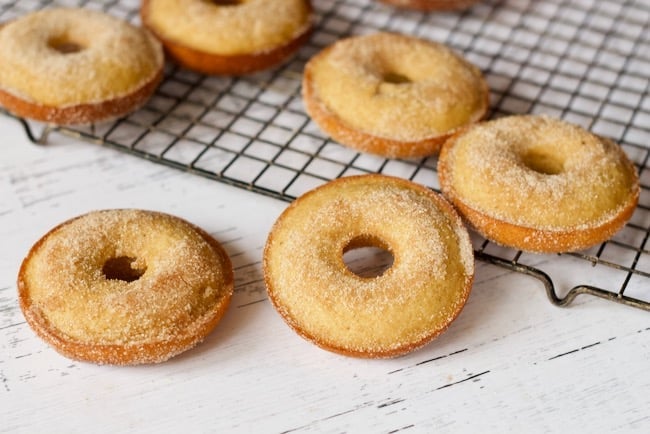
point(392, 95)
point(124, 286)
point(231, 37)
point(538, 184)
point(431, 5)
point(402, 309)
point(76, 66)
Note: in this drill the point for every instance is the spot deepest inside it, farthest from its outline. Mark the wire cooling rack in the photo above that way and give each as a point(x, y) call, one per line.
point(585, 61)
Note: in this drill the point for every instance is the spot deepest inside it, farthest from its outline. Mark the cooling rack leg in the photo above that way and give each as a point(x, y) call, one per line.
point(611, 296)
point(530, 271)
point(550, 287)
point(41, 139)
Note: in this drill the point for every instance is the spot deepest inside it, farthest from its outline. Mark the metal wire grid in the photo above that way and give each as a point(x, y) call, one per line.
point(585, 61)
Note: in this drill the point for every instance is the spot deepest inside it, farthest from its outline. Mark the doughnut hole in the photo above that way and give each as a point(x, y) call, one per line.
point(227, 2)
point(123, 268)
point(368, 256)
point(399, 68)
point(542, 161)
point(393, 81)
point(395, 78)
point(65, 45)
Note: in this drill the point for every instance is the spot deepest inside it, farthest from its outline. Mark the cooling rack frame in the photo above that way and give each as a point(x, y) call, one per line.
point(583, 62)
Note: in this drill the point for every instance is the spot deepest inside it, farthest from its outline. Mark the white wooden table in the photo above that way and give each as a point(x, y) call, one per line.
point(510, 362)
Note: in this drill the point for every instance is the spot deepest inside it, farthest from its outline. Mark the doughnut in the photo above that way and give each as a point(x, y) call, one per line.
point(229, 37)
point(396, 312)
point(430, 5)
point(538, 184)
point(124, 286)
point(392, 95)
point(76, 66)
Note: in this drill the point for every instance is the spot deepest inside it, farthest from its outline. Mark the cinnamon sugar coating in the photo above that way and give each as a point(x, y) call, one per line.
point(391, 94)
point(384, 316)
point(539, 184)
point(230, 37)
point(124, 286)
point(70, 66)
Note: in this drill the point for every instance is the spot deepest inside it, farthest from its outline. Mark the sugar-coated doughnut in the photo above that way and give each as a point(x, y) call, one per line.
point(124, 286)
point(229, 37)
point(76, 66)
point(392, 95)
point(539, 184)
point(431, 5)
point(396, 312)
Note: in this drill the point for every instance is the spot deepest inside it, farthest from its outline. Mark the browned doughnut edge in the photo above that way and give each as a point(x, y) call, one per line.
point(431, 5)
point(81, 113)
